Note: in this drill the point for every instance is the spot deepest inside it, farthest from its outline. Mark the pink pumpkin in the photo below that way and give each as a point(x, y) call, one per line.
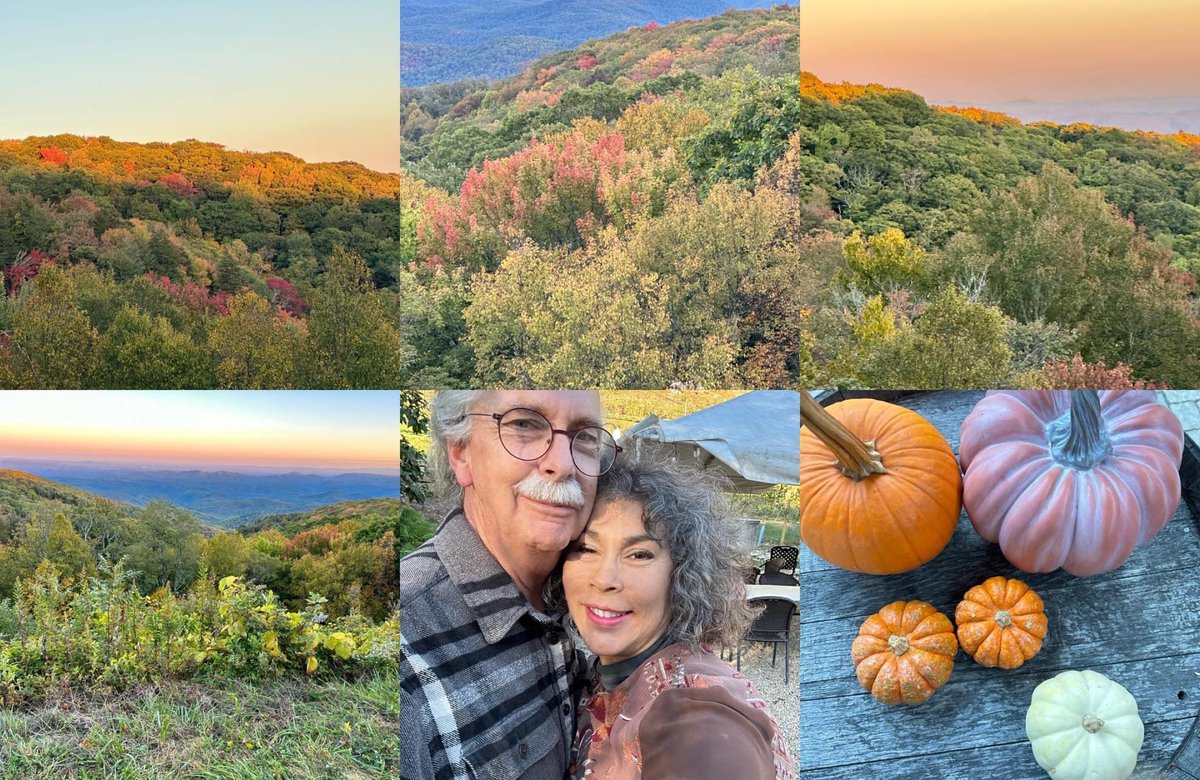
point(1070, 479)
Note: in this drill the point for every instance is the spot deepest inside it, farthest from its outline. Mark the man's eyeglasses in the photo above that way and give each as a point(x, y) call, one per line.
point(526, 434)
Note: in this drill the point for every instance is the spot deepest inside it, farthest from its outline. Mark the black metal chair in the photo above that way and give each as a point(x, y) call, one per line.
point(777, 578)
point(789, 556)
point(772, 627)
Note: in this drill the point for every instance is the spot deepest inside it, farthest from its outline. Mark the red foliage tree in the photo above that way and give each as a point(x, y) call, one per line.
point(192, 296)
point(316, 541)
point(285, 296)
point(586, 62)
point(52, 155)
point(178, 183)
point(25, 267)
point(545, 193)
point(1075, 374)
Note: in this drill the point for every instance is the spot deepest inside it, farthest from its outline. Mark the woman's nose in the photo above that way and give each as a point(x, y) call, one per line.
point(608, 575)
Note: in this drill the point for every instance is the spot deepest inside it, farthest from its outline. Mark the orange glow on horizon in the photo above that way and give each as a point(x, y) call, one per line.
point(990, 51)
point(179, 429)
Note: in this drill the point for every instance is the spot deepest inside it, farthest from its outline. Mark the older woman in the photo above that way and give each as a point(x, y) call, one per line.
point(651, 583)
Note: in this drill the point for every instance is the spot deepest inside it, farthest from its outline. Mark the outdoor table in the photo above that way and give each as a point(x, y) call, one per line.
point(1138, 625)
point(790, 592)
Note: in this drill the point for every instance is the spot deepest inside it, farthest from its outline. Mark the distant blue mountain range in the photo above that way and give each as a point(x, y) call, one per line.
point(224, 498)
point(450, 40)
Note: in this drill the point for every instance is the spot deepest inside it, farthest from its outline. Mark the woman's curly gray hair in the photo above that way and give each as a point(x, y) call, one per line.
point(682, 508)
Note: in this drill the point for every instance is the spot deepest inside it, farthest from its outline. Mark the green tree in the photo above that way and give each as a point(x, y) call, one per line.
point(51, 539)
point(161, 543)
point(953, 343)
point(143, 352)
point(884, 262)
point(226, 554)
point(355, 345)
point(255, 348)
point(52, 343)
point(166, 258)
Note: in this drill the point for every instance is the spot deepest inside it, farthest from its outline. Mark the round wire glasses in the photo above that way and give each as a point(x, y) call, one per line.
point(526, 434)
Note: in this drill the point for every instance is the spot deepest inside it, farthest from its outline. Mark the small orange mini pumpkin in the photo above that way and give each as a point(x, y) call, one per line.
point(1001, 622)
point(904, 652)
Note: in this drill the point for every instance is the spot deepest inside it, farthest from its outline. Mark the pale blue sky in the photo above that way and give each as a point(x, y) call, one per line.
point(311, 77)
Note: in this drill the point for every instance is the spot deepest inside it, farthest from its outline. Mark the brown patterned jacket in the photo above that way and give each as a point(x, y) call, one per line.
point(684, 714)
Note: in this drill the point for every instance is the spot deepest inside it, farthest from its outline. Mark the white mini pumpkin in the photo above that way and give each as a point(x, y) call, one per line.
point(1084, 726)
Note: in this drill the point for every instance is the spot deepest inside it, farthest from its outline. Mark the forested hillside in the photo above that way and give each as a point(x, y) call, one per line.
point(948, 246)
point(443, 40)
point(669, 205)
point(346, 552)
point(188, 265)
point(621, 214)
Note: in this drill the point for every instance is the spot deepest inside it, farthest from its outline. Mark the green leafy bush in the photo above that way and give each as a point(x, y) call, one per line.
point(103, 634)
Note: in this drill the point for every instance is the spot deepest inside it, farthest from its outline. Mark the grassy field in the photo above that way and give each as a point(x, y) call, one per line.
point(213, 730)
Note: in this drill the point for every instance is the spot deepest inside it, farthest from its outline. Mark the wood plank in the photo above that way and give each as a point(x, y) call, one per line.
point(976, 713)
point(1137, 624)
point(1009, 760)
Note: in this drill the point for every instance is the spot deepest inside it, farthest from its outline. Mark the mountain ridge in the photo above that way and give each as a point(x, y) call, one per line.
point(225, 499)
point(437, 38)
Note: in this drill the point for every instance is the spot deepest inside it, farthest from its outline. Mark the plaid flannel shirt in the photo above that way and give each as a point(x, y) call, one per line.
point(489, 685)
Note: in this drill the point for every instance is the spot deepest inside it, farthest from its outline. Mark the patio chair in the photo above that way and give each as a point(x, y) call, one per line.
point(788, 555)
point(777, 578)
point(773, 627)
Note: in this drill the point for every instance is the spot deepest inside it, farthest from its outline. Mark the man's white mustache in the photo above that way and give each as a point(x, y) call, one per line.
point(567, 492)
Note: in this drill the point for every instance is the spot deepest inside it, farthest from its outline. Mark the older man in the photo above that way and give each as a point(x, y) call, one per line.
point(489, 680)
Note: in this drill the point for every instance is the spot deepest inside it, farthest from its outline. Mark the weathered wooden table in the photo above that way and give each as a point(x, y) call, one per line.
point(1139, 625)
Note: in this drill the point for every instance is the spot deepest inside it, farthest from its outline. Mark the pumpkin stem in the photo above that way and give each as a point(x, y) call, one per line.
point(857, 459)
point(1092, 723)
point(1003, 619)
point(1079, 438)
point(899, 644)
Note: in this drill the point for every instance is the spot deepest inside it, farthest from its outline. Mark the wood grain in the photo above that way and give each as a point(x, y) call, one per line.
point(1140, 625)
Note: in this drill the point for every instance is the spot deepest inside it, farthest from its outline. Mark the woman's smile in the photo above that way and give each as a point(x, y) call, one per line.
point(607, 617)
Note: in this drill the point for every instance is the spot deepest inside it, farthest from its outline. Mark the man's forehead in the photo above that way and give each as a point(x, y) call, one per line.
point(571, 405)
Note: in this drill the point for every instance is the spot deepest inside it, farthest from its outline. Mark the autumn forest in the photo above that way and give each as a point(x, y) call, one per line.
point(725, 220)
point(186, 265)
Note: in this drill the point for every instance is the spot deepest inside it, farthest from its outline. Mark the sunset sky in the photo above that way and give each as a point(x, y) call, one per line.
point(1109, 56)
point(310, 77)
point(319, 430)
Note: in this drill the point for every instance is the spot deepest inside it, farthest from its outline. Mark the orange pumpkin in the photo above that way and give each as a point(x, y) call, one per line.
point(1001, 622)
point(904, 652)
point(880, 489)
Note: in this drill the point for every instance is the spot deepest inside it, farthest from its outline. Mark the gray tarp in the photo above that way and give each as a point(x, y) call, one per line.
point(753, 439)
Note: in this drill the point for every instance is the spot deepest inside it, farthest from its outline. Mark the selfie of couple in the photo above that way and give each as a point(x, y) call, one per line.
point(559, 535)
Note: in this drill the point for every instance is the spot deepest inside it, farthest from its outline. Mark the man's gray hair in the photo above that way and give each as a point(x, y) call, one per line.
point(683, 510)
point(449, 425)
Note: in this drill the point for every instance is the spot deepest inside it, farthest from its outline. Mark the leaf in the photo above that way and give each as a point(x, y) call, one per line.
point(340, 643)
point(311, 666)
point(271, 645)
